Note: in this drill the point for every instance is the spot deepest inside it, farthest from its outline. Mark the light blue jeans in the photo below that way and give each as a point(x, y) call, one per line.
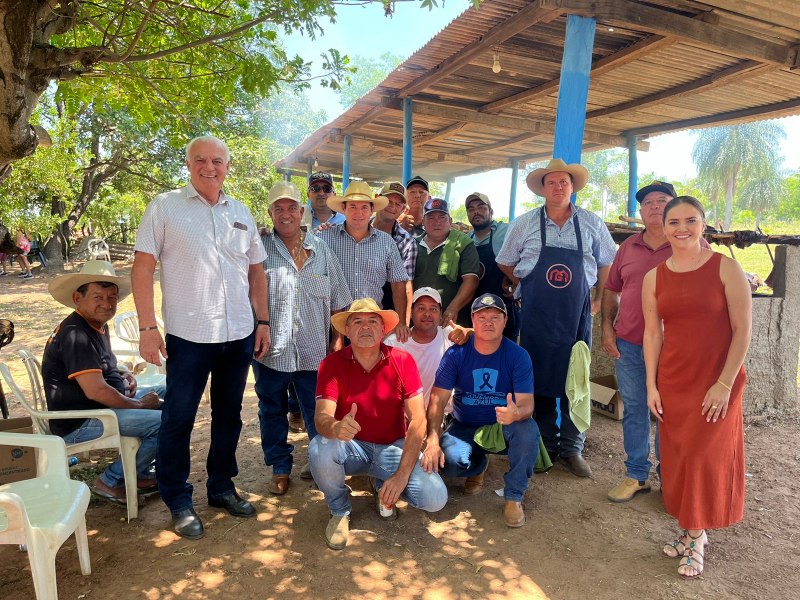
point(331, 460)
point(133, 422)
point(632, 382)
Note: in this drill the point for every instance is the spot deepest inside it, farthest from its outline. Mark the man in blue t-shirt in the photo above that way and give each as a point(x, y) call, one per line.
point(492, 379)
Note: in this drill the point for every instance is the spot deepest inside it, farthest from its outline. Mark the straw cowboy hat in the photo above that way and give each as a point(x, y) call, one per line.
point(358, 191)
point(580, 176)
point(365, 305)
point(62, 287)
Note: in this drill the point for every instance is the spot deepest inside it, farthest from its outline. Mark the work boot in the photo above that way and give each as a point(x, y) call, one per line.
point(626, 490)
point(473, 485)
point(513, 514)
point(337, 532)
point(577, 465)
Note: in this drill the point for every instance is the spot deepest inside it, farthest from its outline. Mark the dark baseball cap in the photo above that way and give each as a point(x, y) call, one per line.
point(418, 181)
point(435, 205)
point(393, 187)
point(488, 301)
point(320, 176)
point(656, 186)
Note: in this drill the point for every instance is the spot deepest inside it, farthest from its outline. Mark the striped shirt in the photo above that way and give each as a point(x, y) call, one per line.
point(407, 246)
point(367, 264)
point(523, 242)
point(205, 253)
point(300, 303)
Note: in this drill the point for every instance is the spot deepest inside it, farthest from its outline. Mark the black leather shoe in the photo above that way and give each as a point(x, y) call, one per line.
point(187, 524)
point(234, 504)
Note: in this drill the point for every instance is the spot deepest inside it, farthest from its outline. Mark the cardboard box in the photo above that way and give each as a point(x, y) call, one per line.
point(17, 462)
point(606, 399)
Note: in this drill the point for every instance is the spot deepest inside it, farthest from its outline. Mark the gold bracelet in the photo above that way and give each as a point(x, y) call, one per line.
point(727, 387)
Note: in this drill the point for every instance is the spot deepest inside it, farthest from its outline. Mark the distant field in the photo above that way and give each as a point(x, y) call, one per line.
point(755, 258)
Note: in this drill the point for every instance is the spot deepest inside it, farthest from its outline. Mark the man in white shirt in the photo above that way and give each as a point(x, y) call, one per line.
point(428, 340)
point(212, 283)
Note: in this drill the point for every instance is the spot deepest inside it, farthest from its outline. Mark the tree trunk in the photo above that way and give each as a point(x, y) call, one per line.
point(21, 85)
point(730, 187)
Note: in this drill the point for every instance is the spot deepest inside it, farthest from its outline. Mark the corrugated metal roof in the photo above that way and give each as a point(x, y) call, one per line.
point(658, 66)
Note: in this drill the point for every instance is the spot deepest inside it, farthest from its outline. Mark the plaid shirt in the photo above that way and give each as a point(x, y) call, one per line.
point(367, 264)
point(407, 246)
point(300, 304)
point(523, 242)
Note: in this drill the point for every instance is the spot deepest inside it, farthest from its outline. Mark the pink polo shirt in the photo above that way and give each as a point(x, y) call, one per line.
point(380, 394)
point(633, 261)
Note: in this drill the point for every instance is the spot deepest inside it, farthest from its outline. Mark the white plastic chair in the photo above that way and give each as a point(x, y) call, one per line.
point(98, 250)
point(43, 512)
point(111, 438)
point(126, 330)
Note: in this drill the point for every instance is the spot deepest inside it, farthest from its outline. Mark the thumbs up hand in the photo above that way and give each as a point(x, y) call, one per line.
point(507, 414)
point(346, 429)
point(459, 335)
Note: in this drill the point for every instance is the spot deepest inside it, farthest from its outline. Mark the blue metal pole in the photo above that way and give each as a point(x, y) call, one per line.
point(408, 132)
point(512, 201)
point(287, 175)
point(633, 176)
point(346, 163)
point(447, 191)
point(573, 89)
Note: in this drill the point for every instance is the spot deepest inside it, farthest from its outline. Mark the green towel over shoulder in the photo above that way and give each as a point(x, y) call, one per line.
point(451, 254)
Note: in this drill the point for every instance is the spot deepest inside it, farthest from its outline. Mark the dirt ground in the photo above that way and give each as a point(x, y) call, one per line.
point(575, 545)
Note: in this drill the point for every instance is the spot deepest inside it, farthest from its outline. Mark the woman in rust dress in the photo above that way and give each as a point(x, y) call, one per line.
point(697, 310)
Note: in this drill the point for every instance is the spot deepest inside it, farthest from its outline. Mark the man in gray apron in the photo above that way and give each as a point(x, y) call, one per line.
point(488, 236)
point(554, 254)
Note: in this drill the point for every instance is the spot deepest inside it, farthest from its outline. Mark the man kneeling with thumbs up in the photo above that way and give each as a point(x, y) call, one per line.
point(366, 393)
point(492, 382)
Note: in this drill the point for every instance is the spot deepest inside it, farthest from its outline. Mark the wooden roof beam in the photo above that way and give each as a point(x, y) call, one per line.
point(779, 109)
point(372, 114)
point(743, 70)
point(520, 21)
point(465, 115)
point(662, 22)
point(428, 138)
point(503, 144)
point(613, 61)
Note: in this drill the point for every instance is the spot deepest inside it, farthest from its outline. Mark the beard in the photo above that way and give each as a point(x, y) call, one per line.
point(482, 226)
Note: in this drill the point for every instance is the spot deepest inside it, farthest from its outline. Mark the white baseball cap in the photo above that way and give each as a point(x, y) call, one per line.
point(426, 291)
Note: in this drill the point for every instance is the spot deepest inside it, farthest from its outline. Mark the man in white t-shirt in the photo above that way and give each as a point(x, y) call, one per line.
point(428, 340)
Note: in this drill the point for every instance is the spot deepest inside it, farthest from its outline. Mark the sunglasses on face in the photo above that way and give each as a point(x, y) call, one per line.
point(321, 188)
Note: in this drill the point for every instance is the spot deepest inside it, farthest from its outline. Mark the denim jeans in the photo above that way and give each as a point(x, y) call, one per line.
point(560, 438)
point(272, 387)
point(636, 417)
point(331, 460)
point(188, 367)
point(464, 458)
point(141, 423)
point(143, 390)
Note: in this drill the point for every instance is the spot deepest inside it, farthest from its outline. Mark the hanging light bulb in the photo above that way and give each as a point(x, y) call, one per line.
point(496, 62)
point(316, 162)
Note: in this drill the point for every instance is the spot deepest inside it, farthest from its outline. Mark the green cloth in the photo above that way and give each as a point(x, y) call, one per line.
point(578, 391)
point(490, 438)
point(543, 462)
point(451, 255)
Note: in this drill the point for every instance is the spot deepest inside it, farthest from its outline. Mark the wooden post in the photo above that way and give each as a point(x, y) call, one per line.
point(633, 176)
point(408, 132)
point(512, 201)
point(573, 89)
point(346, 163)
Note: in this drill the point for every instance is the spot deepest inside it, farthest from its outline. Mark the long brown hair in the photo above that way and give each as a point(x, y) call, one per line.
point(683, 200)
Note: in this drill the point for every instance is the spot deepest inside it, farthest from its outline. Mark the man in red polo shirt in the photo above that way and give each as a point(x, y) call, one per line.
point(366, 393)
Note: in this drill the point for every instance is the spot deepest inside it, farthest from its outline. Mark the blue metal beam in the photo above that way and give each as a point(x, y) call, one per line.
point(346, 163)
point(633, 176)
point(573, 89)
point(512, 201)
point(408, 132)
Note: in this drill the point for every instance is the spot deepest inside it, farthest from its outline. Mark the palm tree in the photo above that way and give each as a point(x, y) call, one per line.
point(758, 193)
point(724, 155)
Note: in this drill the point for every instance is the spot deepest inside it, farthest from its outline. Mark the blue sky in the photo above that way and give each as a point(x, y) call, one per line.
point(365, 31)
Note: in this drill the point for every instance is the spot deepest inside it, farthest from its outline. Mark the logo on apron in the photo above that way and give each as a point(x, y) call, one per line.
point(559, 276)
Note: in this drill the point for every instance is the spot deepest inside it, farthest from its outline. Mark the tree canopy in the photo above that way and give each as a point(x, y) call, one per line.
point(159, 60)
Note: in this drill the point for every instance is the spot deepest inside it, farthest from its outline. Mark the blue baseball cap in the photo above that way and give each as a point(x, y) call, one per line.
point(488, 301)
